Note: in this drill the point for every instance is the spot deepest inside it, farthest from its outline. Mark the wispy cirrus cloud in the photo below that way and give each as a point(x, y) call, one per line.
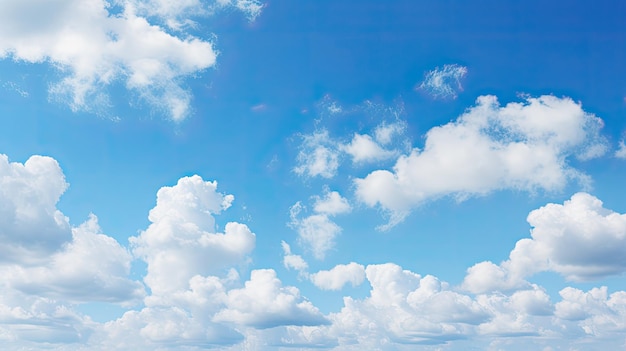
point(444, 82)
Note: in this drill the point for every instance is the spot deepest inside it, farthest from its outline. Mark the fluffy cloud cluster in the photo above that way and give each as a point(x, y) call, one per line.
point(47, 265)
point(317, 232)
point(320, 155)
point(579, 239)
point(196, 298)
point(444, 82)
point(97, 43)
point(522, 146)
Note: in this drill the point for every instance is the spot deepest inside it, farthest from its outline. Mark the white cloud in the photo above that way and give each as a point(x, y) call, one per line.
point(522, 146)
point(593, 313)
point(580, 240)
point(385, 132)
point(32, 226)
point(363, 149)
point(94, 48)
point(318, 156)
point(181, 241)
point(621, 150)
point(293, 261)
point(332, 204)
point(444, 82)
point(265, 303)
point(339, 276)
point(316, 232)
point(92, 267)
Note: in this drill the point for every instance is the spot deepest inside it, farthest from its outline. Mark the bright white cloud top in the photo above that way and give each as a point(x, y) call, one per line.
point(521, 146)
point(503, 207)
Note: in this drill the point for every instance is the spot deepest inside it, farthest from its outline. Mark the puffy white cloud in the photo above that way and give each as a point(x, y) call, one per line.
point(318, 156)
point(339, 276)
point(579, 239)
point(95, 47)
point(265, 303)
point(405, 308)
point(488, 276)
point(293, 261)
point(31, 227)
point(444, 82)
point(331, 204)
point(92, 267)
point(363, 148)
point(593, 313)
point(522, 146)
point(181, 241)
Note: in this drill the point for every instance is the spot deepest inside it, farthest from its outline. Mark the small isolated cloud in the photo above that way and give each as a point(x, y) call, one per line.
point(318, 156)
point(317, 232)
point(521, 146)
point(444, 82)
point(339, 276)
point(331, 204)
point(579, 239)
point(363, 149)
point(291, 261)
point(94, 48)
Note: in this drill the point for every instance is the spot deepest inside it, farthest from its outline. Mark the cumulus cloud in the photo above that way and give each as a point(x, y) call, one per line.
point(48, 266)
point(31, 226)
point(95, 47)
point(444, 82)
point(318, 156)
point(331, 204)
point(182, 242)
point(579, 239)
point(92, 267)
point(291, 261)
point(339, 276)
point(521, 146)
point(265, 303)
point(363, 149)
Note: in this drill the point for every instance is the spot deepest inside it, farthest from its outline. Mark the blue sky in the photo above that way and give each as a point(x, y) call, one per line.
point(341, 175)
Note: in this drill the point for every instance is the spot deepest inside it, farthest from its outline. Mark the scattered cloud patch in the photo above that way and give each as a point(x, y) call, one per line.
point(363, 149)
point(318, 156)
point(316, 232)
point(94, 48)
point(291, 261)
point(521, 146)
point(331, 204)
point(444, 82)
